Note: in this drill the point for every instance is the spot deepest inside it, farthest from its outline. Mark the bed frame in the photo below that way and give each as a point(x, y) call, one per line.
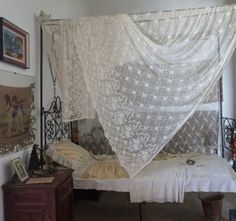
point(55, 129)
point(52, 127)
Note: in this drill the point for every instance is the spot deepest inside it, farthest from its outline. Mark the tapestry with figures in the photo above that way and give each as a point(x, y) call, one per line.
point(17, 119)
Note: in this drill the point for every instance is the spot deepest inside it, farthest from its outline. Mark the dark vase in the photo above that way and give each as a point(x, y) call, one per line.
point(34, 163)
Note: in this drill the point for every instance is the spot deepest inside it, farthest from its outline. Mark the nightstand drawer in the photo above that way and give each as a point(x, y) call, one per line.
point(26, 197)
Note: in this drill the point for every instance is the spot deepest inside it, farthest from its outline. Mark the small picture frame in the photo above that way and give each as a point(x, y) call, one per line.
point(14, 44)
point(19, 168)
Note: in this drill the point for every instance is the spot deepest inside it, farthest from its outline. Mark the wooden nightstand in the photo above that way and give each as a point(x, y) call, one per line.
point(40, 202)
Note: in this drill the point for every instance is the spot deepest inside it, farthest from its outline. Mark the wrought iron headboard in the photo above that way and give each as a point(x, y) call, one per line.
point(54, 128)
point(229, 135)
point(228, 128)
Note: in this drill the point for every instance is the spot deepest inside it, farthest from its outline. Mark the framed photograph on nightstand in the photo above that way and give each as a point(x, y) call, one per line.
point(19, 168)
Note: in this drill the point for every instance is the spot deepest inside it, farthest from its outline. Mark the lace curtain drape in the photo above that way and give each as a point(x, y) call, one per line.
point(144, 74)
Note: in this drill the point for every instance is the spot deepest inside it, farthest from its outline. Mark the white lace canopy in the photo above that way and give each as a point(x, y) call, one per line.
point(144, 74)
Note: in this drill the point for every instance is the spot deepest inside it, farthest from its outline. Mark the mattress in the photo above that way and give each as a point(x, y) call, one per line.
point(209, 173)
point(165, 179)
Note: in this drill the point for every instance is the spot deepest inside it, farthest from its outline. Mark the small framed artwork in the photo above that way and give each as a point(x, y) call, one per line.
point(14, 44)
point(20, 170)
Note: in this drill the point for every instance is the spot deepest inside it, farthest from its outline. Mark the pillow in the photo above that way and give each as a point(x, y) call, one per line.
point(164, 156)
point(67, 154)
point(105, 170)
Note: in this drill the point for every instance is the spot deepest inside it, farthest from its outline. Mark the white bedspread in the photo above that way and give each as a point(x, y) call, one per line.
point(168, 180)
point(160, 181)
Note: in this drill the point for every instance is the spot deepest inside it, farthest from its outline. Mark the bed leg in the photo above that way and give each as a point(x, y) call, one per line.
point(234, 165)
point(140, 212)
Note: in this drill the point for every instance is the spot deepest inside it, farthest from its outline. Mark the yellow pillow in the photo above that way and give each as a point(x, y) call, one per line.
point(105, 170)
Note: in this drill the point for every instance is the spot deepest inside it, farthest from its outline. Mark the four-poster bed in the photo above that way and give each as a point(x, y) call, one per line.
point(208, 174)
point(142, 96)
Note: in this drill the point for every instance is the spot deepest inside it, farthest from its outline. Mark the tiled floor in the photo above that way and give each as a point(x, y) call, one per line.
point(114, 206)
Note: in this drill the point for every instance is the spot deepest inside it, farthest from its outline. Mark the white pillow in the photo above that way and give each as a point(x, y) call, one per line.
point(68, 154)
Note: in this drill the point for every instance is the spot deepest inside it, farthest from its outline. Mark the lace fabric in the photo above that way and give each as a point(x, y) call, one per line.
point(145, 75)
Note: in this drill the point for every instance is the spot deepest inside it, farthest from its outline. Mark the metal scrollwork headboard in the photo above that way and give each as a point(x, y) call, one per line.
point(228, 129)
point(53, 126)
point(229, 138)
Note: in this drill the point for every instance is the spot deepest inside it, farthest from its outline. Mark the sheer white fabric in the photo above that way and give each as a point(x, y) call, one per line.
point(143, 74)
point(65, 65)
point(201, 131)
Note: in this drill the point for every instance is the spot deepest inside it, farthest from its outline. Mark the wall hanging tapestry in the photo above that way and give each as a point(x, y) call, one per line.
point(16, 121)
point(144, 74)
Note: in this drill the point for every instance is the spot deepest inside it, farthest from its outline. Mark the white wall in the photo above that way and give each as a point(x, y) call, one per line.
point(126, 6)
point(23, 14)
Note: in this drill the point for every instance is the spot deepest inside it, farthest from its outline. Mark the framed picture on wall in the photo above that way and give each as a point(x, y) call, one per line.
point(19, 168)
point(14, 44)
